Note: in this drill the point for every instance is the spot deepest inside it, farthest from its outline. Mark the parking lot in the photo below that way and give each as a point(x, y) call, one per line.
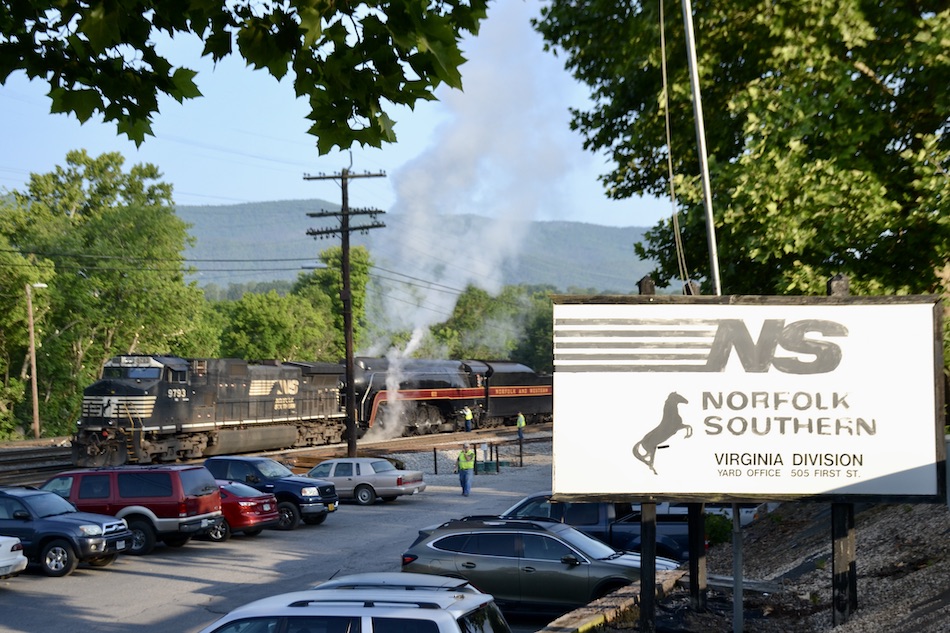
point(184, 589)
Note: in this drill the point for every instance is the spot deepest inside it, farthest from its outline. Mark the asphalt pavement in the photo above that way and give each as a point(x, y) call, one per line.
point(186, 588)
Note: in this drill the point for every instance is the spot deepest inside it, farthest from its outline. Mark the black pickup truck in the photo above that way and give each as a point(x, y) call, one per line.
point(617, 524)
point(298, 497)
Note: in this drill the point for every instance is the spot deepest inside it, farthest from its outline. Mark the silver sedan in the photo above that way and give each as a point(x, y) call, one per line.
point(366, 479)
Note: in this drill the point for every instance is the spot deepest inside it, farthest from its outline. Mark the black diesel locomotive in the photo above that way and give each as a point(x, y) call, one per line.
point(153, 408)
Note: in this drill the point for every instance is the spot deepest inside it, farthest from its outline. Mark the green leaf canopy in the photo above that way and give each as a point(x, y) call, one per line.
point(826, 125)
point(351, 61)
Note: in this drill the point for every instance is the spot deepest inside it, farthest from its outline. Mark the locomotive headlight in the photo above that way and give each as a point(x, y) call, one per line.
point(310, 491)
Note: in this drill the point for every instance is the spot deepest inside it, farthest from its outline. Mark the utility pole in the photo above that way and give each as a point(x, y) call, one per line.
point(345, 294)
point(35, 390)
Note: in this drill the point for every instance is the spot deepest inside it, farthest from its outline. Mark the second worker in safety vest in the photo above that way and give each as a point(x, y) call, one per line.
point(467, 415)
point(466, 468)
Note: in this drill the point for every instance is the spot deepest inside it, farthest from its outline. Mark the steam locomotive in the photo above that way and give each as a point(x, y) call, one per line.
point(154, 408)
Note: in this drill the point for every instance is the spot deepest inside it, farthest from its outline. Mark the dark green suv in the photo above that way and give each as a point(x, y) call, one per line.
point(535, 565)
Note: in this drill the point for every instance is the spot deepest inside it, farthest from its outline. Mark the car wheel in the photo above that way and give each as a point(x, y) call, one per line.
point(253, 532)
point(176, 540)
point(317, 520)
point(143, 537)
point(58, 559)
point(220, 532)
point(102, 561)
point(289, 516)
point(364, 495)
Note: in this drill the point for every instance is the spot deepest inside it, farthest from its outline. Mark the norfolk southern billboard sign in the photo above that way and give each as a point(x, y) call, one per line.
point(732, 398)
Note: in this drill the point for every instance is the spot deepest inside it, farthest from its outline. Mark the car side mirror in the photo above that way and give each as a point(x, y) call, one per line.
point(21, 515)
point(571, 560)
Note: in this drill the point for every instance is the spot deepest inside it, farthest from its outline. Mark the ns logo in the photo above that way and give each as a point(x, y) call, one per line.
point(808, 352)
point(806, 342)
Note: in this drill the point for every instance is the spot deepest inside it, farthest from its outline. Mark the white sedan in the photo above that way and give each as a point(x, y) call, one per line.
point(12, 560)
point(367, 478)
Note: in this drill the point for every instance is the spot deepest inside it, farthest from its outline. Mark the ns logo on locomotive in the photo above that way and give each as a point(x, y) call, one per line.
point(154, 408)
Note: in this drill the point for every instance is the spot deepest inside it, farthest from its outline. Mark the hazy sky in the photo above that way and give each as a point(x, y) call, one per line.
point(503, 143)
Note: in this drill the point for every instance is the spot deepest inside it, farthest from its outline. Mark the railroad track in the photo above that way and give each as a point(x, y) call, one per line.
point(26, 466)
point(32, 465)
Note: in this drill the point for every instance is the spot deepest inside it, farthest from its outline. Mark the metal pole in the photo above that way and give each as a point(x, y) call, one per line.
point(701, 140)
point(698, 580)
point(36, 398)
point(346, 298)
point(737, 584)
point(346, 294)
point(648, 567)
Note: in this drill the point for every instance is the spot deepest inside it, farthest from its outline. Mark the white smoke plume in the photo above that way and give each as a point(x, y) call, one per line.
point(489, 159)
point(500, 151)
point(394, 425)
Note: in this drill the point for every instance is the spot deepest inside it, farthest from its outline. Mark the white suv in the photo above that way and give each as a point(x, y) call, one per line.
point(367, 609)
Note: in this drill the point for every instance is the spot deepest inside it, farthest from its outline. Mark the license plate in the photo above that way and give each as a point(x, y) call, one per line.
point(120, 544)
point(331, 507)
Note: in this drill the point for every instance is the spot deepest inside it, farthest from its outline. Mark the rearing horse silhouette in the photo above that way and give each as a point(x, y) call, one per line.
point(672, 422)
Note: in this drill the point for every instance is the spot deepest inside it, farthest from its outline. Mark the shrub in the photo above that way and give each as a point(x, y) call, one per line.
point(718, 529)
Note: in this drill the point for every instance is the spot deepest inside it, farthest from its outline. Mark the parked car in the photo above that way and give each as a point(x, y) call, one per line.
point(246, 510)
point(404, 581)
point(533, 565)
point(171, 503)
point(12, 559)
point(367, 610)
point(748, 512)
point(617, 524)
point(366, 479)
point(298, 497)
point(56, 535)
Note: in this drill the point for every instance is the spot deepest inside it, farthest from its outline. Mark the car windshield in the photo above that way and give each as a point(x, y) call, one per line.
point(382, 466)
point(48, 504)
point(273, 470)
point(238, 489)
point(198, 482)
point(540, 507)
point(587, 545)
point(487, 619)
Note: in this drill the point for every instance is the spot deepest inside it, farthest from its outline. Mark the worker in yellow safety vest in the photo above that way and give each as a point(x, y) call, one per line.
point(520, 424)
point(468, 415)
point(466, 468)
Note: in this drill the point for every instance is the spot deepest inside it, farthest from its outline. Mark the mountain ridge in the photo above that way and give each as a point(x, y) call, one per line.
point(446, 248)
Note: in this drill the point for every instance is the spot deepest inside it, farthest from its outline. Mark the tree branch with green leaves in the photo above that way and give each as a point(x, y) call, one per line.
point(353, 62)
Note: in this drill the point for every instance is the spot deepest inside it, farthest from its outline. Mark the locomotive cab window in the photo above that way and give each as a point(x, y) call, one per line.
point(176, 375)
point(144, 373)
point(132, 373)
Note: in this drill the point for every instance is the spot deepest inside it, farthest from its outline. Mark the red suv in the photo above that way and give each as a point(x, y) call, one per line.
point(170, 503)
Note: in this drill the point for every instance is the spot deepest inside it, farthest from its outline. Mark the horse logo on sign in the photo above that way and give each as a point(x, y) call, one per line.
point(670, 425)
